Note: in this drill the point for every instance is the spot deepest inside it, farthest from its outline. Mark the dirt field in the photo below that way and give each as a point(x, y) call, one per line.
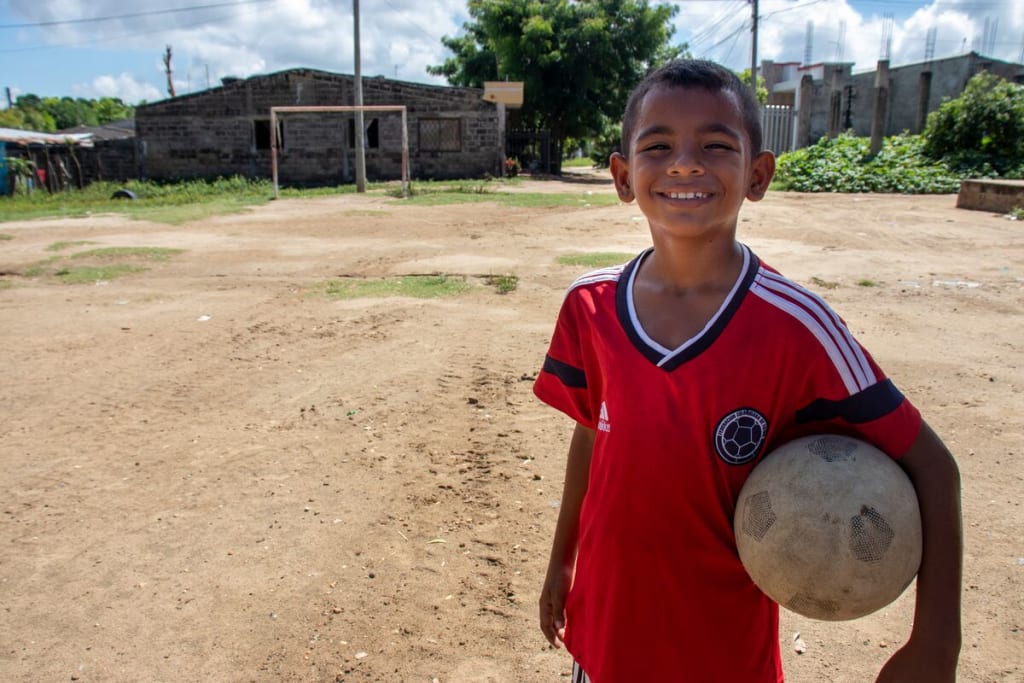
point(211, 472)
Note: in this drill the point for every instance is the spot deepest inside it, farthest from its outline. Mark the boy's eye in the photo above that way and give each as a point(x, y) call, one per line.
point(654, 146)
point(718, 145)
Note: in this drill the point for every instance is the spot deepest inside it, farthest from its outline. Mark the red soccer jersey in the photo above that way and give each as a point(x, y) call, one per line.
point(659, 591)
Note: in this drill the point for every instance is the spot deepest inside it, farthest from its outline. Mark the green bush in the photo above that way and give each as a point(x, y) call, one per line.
point(981, 132)
point(845, 164)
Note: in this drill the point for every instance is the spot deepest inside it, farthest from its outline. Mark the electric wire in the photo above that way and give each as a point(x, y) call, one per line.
point(134, 15)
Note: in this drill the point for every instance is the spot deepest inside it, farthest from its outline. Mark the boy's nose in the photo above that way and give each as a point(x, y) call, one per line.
point(686, 162)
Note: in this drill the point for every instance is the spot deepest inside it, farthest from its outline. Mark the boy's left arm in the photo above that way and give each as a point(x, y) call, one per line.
point(933, 648)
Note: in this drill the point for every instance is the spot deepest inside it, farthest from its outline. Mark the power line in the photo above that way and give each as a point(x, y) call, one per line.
point(126, 36)
point(134, 15)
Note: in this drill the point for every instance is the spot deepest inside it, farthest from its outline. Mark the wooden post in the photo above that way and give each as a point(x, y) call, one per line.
point(360, 123)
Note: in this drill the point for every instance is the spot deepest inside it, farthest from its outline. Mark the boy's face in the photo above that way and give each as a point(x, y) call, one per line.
point(690, 164)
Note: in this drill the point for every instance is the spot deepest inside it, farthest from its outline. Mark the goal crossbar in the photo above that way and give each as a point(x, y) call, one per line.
point(274, 111)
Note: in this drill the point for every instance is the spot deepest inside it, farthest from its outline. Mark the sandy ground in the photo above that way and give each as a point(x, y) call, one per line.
point(211, 472)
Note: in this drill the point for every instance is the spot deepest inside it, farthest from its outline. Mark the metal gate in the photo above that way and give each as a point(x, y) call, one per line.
point(777, 125)
point(532, 148)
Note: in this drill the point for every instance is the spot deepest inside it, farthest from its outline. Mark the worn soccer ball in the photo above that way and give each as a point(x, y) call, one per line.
point(829, 527)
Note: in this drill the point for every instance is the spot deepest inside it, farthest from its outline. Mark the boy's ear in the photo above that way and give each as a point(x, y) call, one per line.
point(620, 174)
point(762, 170)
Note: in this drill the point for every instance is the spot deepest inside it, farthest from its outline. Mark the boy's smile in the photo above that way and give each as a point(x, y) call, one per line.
point(690, 165)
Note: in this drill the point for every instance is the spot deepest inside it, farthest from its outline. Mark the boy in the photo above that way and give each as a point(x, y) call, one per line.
point(652, 359)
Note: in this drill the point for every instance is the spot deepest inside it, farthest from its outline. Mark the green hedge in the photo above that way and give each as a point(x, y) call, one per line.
point(845, 164)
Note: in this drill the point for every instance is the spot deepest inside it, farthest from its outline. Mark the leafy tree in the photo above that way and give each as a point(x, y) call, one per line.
point(68, 112)
point(112, 109)
point(762, 91)
point(578, 59)
point(982, 129)
point(24, 118)
point(49, 114)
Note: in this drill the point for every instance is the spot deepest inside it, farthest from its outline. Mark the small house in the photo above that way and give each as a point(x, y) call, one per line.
point(225, 130)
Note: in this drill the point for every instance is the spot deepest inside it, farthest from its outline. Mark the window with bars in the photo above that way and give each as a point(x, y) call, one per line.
point(440, 135)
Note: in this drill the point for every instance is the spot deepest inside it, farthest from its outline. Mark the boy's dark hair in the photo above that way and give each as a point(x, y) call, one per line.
point(696, 73)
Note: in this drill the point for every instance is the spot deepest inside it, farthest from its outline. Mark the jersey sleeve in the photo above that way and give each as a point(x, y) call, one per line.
point(879, 413)
point(562, 382)
point(857, 397)
point(844, 389)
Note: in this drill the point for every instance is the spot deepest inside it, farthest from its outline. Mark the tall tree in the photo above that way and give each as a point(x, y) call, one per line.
point(578, 59)
point(50, 114)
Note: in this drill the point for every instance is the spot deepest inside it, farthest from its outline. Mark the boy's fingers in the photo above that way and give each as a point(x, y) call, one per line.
point(551, 620)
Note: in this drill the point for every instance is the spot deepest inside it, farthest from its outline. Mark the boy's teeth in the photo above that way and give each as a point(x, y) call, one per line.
point(687, 195)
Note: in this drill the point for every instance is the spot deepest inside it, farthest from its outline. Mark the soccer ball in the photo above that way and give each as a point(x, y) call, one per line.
point(829, 527)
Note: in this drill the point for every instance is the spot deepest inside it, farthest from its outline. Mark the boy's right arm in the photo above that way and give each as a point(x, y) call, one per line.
point(563, 549)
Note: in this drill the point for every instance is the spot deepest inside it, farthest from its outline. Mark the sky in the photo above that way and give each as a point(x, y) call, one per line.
point(112, 48)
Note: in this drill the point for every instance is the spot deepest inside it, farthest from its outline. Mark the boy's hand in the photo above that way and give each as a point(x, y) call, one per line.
point(552, 604)
point(933, 648)
point(912, 664)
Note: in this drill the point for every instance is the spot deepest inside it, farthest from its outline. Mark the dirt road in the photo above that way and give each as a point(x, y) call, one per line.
point(212, 472)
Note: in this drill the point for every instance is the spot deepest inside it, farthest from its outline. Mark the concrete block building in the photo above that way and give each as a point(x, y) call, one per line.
point(223, 131)
point(827, 98)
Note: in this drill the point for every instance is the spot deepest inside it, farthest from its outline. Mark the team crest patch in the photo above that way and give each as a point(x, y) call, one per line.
point(740, 435)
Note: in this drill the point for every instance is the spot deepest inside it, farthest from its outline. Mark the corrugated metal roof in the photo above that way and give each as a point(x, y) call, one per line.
point(115, 130)
point(29, 137)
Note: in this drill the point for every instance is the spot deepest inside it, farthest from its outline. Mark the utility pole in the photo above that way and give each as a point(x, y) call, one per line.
point(360, 148)
point(753, 49)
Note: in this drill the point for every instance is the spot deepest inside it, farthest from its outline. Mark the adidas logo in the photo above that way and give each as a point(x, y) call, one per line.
point(603, 424)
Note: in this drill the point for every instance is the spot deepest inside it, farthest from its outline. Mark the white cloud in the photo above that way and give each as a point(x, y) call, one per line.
point(400, 38)
point(124, 86)
point(721, 31)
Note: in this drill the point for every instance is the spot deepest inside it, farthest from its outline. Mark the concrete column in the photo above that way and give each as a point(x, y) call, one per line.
point(804, 99)
point(881, 106)
point(924, 93)
point(835, 105)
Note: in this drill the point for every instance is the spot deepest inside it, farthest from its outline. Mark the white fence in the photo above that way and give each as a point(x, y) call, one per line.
point(777, 122)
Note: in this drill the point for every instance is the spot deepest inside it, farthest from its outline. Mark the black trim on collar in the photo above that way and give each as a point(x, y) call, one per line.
point(705, 340)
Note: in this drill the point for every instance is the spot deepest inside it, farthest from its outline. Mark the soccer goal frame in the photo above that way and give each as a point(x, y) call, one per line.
point(275, 111)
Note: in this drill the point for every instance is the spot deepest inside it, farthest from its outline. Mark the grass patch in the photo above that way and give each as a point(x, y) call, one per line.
point(533, 200)
point(475, 191)
point(4, 237)
point(597, 259)
point(503, 284)
point(143, 253)
point(61, 246)
point(867, 283)
point(1016, 213)
point(172, 203)
point(59, 267)
point(824, 284)
point(417, 286)
point(40, 267)
point(578, 162)
point(89, 274)
point(366, 213)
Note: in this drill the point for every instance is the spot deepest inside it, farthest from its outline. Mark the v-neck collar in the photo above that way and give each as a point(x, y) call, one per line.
point(669, 359)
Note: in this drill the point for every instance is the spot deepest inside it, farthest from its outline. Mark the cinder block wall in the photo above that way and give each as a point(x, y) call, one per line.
point(211, 133)
point(949, 77)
